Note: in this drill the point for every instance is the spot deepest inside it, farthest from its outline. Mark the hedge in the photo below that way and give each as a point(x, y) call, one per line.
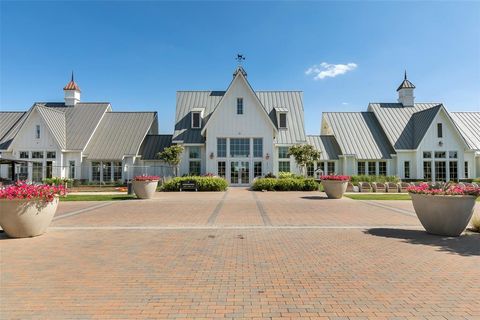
point(364, 178)
point(285, 184)
point(203, 183)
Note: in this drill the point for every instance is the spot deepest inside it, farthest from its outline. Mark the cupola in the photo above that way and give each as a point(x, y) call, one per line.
point(72, 93)
point(405, 92)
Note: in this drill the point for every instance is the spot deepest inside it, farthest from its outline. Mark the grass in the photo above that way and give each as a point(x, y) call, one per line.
point(393, 196)
point(96, 197)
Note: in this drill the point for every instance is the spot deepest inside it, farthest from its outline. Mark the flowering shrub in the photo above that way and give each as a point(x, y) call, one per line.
point(22, 190)
point(448, 190)
point(146, 178)
point(335, 177)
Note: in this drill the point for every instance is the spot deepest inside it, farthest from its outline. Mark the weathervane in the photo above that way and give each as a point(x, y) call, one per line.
point(240, 57)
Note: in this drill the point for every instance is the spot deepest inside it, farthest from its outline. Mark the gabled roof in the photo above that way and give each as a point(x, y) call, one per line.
point(359, 134)
point(119, 134)
point(289, 100)
point(327, 145)
point(404, 126)
point(153, 144)
point(55, 120)
point(10, 123)
point(468, 123)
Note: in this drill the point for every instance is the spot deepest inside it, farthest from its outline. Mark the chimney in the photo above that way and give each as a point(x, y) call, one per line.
point(72, 93)
point(405, 92)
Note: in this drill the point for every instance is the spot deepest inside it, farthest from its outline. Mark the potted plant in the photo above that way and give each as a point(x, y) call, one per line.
point(26, 210)
point(145, 186)
point(334, 185)
point(444, 210)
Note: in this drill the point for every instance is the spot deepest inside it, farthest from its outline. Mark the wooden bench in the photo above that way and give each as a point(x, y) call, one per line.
point(392, 187)
point(188, 185)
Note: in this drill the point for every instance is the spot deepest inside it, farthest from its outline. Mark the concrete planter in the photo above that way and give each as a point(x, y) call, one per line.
point(443, 215)
point(22, 218)
point(145, 189)
point(334, 188)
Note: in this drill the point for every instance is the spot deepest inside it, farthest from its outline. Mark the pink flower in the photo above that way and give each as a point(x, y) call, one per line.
point(335, 177)
point(453, 190)
point(23, 190)
point(146, 178)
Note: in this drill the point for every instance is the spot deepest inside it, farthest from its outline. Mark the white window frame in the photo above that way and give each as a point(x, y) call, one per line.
point(280, 123)
point(199, 119)
point(37, 131)
point(241, 105)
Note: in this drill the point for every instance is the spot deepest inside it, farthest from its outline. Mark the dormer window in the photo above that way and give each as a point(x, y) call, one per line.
point(282, 120)
point(239, 105)
point(196, 120)
point(37, 131)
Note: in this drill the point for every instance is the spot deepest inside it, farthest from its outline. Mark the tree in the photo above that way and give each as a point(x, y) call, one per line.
point(172, 155)
point(303, 154)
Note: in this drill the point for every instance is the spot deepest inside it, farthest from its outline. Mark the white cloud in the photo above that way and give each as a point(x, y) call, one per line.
point(345, 103)
point(327, 70)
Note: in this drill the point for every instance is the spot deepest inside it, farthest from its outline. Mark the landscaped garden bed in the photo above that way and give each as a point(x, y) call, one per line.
point(285, 182)
point(203, 183)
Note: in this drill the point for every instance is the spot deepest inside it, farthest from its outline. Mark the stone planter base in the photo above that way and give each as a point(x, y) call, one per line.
point(145, 189)
point(334, 188)
point(443, 215)
point(21, 218)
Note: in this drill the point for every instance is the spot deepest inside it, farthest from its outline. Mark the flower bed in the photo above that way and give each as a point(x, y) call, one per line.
point(205, 183)
point(22, 190)
point(146, 178)
point(335, 177)
point(449, 190)
point(285, 184)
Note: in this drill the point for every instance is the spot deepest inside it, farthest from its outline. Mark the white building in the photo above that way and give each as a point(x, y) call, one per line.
point(74, 139)
point(241, 134)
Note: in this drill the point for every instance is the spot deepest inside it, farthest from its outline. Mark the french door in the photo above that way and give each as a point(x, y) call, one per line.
point(239, 172)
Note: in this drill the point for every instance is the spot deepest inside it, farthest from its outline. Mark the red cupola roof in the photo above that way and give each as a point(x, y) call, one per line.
point(72, 85)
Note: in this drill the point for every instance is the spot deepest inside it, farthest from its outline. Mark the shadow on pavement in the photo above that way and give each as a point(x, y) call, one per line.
point(465, 245)
point(314, 198)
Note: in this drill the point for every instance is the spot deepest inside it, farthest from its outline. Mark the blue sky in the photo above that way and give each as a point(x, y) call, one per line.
point(137, 55)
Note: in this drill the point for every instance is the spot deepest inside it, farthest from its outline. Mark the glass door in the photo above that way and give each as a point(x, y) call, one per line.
point(239, 172)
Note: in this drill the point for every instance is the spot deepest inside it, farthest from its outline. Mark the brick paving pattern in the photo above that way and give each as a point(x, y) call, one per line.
point(168, 258)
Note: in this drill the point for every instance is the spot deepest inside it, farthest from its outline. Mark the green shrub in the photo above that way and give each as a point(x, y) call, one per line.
point(56, 181)
point(203, 183)
point(285, 184)
point(288, 175)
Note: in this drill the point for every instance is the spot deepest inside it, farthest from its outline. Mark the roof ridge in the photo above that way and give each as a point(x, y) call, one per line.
point(50, 108)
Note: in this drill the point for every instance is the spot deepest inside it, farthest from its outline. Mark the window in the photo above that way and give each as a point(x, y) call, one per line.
point(95, 171)
point(321, 167)
point(257, 169)
point(222, 169)
point(282, 120)
point(117, 170)
point(382, 168)
point(440, 154)
point(196, 120)
point(23, 154)
point(453, 166)
point(310, 169)
point(37, 131)
point(71, 169)
point(37, 174)
point(427, 154)
point(372, 168)
point(284, 166)
point(23, 172)
point(194, 168)
point(440, 171)
point(37, 155)
point(361, 168)
point(283, 153)
point(51, 154)
point(406, 169)
point(453, 154)
point(240, 147)
point(221, 147)
point(331, 167)
point(107, 171)
point(239, 105)
point(427, 170)
point(439, 130)
point(465, 170)
point(194, 153)
point(258, 147)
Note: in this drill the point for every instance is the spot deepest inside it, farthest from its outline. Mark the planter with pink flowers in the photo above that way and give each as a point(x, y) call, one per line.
point(444, 211)
point(27, 210)
point(145, 186)
point(335, 185)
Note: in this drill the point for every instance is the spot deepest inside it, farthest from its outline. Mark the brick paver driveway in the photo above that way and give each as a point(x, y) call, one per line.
point(239, 254)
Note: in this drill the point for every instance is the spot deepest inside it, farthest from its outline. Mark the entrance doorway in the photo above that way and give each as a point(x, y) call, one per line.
point(239, 172)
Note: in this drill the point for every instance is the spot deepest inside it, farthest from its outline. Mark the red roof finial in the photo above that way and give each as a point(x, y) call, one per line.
point(72, 85)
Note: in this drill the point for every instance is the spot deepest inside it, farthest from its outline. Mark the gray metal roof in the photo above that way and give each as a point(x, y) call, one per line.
point(399, 123)
point(468, 123)
point(119, 134)
point(327, 145)
point(406, 84)
point(9, 124)
point(287, 100)
point(153, 144)
point(55, 120)
point(359, 134)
